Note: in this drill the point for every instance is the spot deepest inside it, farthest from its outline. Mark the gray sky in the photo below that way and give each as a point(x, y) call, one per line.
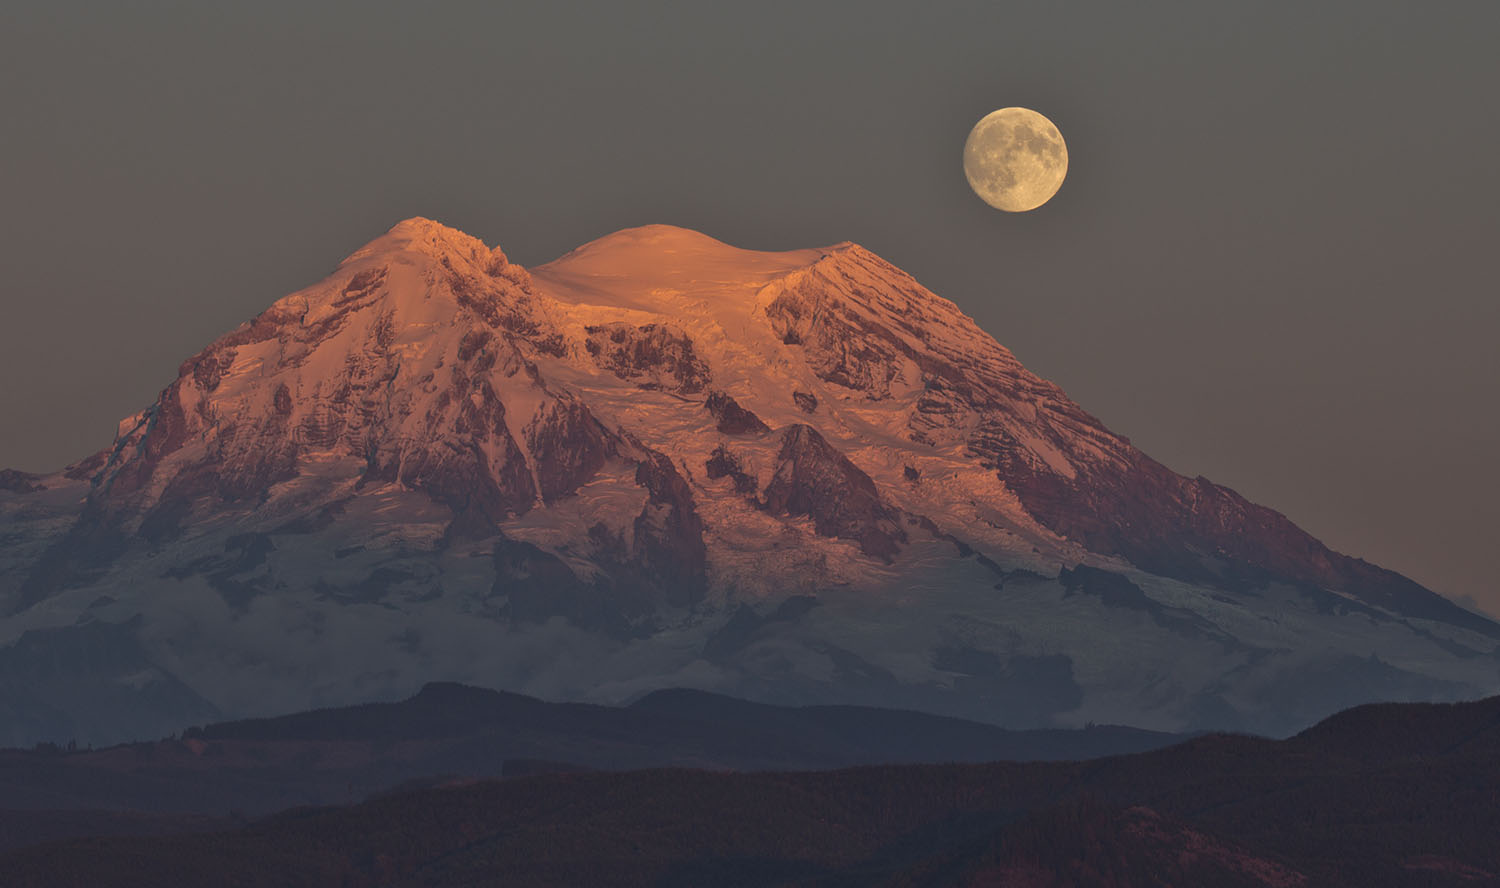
point(1272, 262)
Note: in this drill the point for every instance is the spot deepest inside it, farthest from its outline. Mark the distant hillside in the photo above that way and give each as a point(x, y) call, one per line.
point(1377, 796)
point(344, 755)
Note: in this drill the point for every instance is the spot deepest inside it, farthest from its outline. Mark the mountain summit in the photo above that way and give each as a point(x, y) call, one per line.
point(664, 461)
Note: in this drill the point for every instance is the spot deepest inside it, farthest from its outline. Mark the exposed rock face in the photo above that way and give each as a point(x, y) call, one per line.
point(722, 463)
point(617, 471)
point(569, 447)
point(814, 479)
point(653, 355)
point(669, 534)
point(733, 419)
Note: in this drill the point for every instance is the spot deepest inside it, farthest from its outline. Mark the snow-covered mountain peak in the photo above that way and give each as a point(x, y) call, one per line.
point(628, 248)
point(661, 459)
point(426, 237)
point(638, 267)
point(417, 274)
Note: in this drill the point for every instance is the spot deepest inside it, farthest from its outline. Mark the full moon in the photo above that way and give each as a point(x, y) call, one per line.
point(1015, 159)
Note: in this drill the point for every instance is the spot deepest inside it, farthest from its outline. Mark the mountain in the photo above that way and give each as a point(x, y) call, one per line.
point(1382, 795)
point(662, 461)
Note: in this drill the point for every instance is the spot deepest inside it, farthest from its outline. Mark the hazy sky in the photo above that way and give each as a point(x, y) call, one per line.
point(1273, 262)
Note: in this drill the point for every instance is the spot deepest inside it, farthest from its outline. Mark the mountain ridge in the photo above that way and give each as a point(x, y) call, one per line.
point(1396, 794)
point(447, 731)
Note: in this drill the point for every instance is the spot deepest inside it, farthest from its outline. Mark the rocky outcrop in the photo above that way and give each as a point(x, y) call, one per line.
point(722, 463)
point(732, 418)
point(654, 356)
point(668, 541)
point(814, 479)
point(567, 445)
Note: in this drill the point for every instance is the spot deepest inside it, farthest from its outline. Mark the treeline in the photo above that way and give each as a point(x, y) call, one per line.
point(1369, 801)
